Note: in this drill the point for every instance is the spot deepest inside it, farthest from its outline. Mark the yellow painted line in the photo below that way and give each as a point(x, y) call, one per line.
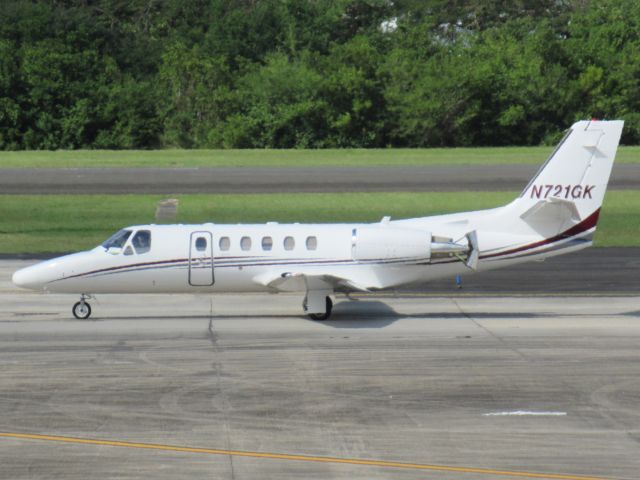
point(304, 458)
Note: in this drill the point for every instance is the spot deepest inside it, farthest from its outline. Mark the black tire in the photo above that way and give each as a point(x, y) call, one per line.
point(81, 310)
point(326, 314)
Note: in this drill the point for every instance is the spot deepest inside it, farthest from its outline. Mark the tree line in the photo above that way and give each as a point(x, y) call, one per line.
point(313, 73)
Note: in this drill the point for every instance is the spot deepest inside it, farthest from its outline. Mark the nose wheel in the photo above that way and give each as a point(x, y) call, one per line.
point(82, 310)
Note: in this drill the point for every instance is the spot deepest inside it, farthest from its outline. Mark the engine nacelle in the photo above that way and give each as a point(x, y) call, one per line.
point(372, 242)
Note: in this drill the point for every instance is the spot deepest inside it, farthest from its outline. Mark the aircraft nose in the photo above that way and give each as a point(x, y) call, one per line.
point(28, 278)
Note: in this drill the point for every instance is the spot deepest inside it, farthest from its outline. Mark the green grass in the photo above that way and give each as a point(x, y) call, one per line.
point(285, 158)
point(62, 223)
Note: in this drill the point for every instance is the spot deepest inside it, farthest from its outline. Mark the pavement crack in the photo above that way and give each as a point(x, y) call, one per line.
point(213, 338)
point(482, 327)
point(211, 335)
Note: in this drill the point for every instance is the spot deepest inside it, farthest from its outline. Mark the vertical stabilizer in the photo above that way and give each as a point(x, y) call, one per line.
point(558, 210)
point(574, 178)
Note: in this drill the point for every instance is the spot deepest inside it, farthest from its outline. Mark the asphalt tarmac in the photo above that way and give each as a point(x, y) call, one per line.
point(276, 180)
point(455, 386)
point(588, 272)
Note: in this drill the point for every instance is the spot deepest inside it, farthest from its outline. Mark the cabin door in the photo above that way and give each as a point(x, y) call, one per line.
point(201, 259)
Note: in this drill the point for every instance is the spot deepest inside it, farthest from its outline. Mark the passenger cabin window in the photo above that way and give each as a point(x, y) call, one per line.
point(224, 243)
point(245, 243)
point(141, 241)
point(201, 244)
point(312, 243)
point(267, 243)
point(289, 243)
point(117, 240)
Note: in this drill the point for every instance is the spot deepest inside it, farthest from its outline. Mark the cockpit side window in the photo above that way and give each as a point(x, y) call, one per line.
point(142, 241)
point(117, 240)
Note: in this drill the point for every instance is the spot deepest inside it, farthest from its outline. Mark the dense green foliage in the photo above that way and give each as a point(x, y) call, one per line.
point(313, 73)
point(76, 222)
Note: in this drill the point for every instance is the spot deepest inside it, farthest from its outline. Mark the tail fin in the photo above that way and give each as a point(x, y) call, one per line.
point(569, 188)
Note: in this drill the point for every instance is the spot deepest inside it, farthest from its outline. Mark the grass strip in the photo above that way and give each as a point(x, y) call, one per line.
point(286, 158)
point(62, 223)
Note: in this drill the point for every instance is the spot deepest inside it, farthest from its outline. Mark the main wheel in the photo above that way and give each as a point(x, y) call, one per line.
point(81, 310)
point(326, 314)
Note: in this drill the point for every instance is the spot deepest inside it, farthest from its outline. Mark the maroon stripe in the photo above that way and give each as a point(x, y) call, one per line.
point(224, 262)
point(145, 264)
point(122, 267)
point(587, 224)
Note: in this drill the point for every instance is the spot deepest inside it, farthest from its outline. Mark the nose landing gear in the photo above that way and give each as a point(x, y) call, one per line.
point(82, 310)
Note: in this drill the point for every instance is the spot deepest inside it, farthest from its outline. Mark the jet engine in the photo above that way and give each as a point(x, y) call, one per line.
point(398, 243)
point(389, 243)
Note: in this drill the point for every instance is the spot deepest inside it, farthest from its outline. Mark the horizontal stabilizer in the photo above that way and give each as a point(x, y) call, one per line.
point(551, 216)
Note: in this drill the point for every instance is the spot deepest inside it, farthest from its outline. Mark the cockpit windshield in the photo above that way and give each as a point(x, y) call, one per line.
point(117, 240)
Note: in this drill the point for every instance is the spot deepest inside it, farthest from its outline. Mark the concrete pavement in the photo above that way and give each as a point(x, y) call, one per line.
point(464, 387)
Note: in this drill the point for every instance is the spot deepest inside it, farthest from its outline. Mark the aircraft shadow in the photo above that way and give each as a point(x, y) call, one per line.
point(361, 314)
point(377, 314)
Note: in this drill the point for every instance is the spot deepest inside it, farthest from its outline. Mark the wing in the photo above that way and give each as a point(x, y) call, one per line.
point(301, 281)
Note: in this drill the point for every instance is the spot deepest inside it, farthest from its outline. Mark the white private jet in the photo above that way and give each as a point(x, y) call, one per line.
point(555, 214)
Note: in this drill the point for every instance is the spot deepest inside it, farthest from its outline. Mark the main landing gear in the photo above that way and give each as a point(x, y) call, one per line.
point(328, 306)
point(82, 310)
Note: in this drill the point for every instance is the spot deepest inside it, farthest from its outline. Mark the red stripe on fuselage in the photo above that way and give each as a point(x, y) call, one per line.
point(587, 224)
